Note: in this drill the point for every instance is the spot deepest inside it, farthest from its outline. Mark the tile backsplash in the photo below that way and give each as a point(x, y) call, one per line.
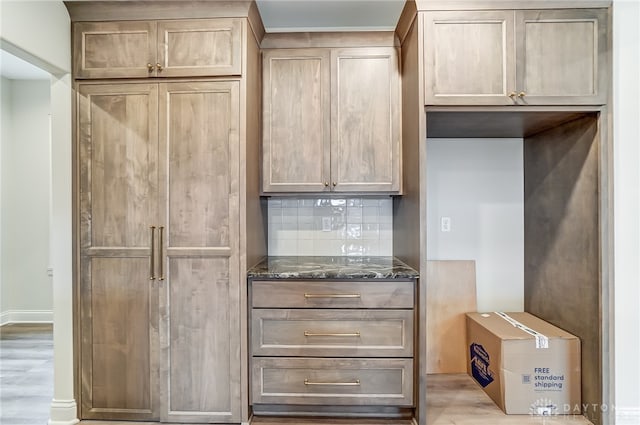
point(330, 226)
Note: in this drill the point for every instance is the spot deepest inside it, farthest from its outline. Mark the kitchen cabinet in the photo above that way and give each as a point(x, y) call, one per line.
point(159, 232)
point(331, 120)
point(332, 335)
point(167, 48)
point(521, 57)
point(326, 348)
point(168, 211)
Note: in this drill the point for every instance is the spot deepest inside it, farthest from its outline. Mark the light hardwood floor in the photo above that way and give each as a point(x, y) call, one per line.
point(26, 373)
point(26, 389)
point(454, 399)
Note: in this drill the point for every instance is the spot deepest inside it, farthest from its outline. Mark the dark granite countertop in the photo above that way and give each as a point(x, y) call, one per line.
point(331, 268)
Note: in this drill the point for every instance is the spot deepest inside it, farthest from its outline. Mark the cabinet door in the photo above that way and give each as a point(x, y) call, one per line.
point(296, 116)
point(365, 120)
point(469, 57)
point(114, 49)
point(199, 300)
point(118, 195)
point(562, 56)
point(199, 47)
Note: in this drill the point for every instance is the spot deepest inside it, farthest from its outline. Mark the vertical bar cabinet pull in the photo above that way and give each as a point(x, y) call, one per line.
point(161, 257)
point(152, 257)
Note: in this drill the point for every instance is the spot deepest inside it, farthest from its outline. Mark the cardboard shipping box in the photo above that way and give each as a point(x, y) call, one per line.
point(526, 365)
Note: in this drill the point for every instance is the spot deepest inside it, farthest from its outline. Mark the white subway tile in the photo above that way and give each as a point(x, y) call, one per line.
point(354, 215)
point(274, 202)
point(359, 226)
point(305, 247)
point(386, 247)
point(370, 231)
point(370, 215)
point(275, 215)
point(354, 231)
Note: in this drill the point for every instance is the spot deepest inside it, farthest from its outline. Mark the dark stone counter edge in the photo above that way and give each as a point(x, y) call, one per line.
point(331, 268)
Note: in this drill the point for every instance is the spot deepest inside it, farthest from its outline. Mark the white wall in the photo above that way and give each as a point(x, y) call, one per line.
point(626, 133)
point(479, 185)
point(34, 31)
point(26, 292)
point(40, 32)
point(5, 132)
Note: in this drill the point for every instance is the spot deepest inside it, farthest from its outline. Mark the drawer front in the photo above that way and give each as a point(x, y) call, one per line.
point(334, 381)
point(332, 294)
point(332, 333)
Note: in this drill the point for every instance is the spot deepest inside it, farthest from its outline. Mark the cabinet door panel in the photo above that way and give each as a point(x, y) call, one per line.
point(202, 362)
point(365, 123)
point(123, 338)
point(469, 58)
point(114, 49)
point(199, 302)
point(561, 56)
point(296, 132)
point(200, 47)
point(118, 194)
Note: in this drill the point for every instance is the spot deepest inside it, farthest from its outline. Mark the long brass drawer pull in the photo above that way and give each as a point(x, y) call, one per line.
point(161, 257)
point(332, 295)
point(356, 383)
point(356, 333)
point(152, 265)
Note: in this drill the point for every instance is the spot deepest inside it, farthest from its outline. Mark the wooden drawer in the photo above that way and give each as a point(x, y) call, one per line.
point(332, 333)
point(332, 381)
point(332, 294)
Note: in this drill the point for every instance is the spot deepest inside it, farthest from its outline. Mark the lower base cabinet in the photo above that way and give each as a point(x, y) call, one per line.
point(342, 346)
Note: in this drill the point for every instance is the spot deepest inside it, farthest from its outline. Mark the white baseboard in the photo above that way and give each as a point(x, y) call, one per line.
point(26, 316)
point(628, 416)
point(63, 412)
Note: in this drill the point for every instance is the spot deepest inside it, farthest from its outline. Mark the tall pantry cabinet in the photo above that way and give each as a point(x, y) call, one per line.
point(168, 210)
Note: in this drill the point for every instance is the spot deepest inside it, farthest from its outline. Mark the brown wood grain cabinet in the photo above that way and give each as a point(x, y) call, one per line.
point(522, 57)
point(331, 120)
point(171, 48)
point(168, 210)
point(119, 315)
point(317, 344)
point(159, 244)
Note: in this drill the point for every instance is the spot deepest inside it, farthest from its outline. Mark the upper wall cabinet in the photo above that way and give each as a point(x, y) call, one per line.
point(138, 49)
point(524, 57)
point(331, 120)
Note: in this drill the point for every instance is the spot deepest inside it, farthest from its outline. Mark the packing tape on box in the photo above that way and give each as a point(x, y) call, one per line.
point(542, 341)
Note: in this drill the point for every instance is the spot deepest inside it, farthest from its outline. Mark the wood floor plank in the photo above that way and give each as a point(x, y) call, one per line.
point(26, 373)
point(26, 390)
point(454, 399)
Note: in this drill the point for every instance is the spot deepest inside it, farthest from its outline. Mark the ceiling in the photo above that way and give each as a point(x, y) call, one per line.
point(330, 15)
point(277, 16)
